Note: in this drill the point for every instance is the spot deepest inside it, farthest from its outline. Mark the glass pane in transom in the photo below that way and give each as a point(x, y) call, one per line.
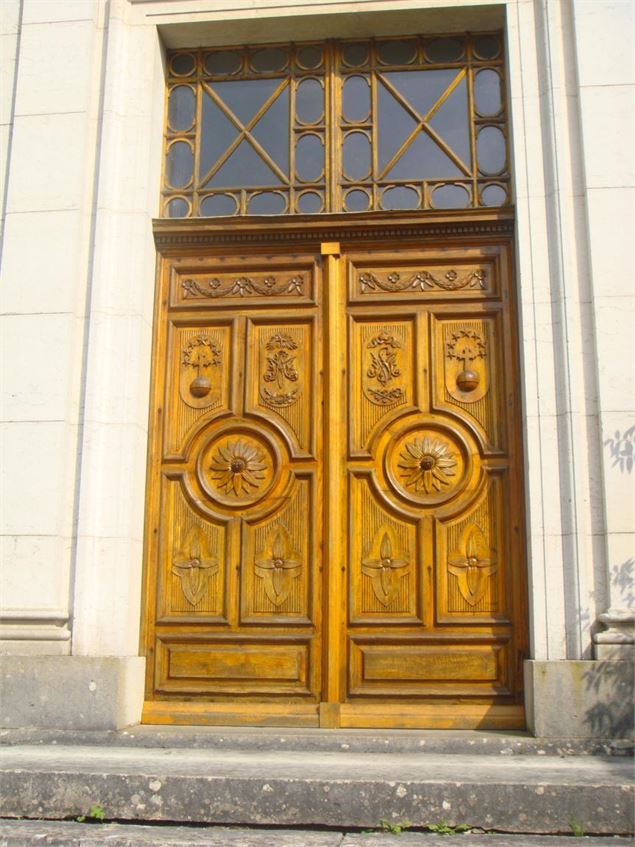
point(377, 125)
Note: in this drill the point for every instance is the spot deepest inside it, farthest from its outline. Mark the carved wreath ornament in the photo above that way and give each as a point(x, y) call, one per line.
point(426, 465)
point(239, 468)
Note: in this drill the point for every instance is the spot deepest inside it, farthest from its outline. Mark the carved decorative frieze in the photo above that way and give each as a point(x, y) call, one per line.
point(423, 280)
point(242, 286)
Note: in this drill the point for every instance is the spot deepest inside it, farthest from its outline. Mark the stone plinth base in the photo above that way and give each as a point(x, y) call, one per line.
point(71, 692)
point(580, 699)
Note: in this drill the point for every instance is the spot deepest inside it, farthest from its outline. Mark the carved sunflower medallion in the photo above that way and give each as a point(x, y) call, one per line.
point(237, 469)
point(427, 465)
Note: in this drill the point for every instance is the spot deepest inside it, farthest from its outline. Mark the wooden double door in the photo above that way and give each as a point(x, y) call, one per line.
point(334, 513)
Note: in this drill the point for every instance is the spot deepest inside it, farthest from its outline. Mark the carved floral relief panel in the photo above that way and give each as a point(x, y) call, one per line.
point(384, 566)
point(278, 559)
point(280, 376)
point(194, 560)
point(198, 378)
point(471, 558)
point(382, 374)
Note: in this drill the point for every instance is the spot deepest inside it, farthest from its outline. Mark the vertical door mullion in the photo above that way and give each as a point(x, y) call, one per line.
point(335, 546)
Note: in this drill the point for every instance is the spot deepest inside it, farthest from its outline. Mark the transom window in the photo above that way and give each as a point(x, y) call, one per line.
point(352, 126)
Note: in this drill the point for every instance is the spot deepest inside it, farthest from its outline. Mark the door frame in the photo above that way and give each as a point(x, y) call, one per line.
point(329, 235)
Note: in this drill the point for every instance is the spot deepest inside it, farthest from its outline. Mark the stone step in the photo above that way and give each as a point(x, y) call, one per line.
point(65, 834)
point(341, 789)
point(464, 742)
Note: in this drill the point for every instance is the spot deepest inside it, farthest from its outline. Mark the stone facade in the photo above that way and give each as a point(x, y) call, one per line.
point(81, 112)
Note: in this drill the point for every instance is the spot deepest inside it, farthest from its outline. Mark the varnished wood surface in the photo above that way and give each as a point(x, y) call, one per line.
point(361, 569)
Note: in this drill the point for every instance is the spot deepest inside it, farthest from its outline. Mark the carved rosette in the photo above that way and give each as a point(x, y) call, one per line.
point(237, 469)
point(427, 465)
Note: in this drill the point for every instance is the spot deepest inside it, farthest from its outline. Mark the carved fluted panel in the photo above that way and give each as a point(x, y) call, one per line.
point(384, 566)
point(472, 558)
point(193, 553)
point(278, 556)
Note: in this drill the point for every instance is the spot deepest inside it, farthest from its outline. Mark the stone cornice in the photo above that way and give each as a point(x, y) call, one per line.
point(359, 229)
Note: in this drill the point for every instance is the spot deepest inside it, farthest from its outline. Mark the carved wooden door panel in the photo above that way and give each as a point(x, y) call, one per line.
point(436, 614)
point(235, 507)
point(335, 517)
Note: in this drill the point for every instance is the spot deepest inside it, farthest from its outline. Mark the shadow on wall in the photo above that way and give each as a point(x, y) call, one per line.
point(623, 578)
point(609, 686)
point(622, 449)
